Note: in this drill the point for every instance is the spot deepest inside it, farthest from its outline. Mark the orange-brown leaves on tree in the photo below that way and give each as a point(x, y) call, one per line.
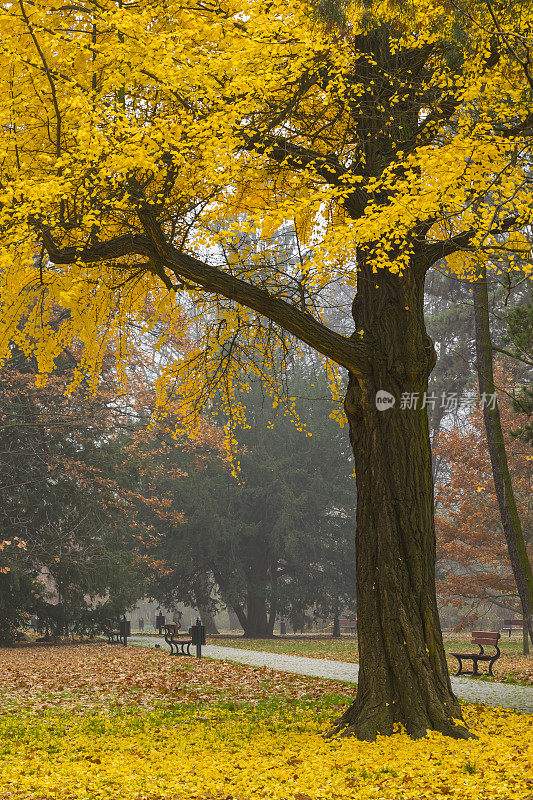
point(471, 549)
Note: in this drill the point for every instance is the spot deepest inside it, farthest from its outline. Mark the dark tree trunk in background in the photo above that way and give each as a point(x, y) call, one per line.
point(259, 621)
point(403, 674)
point(255, 620)
point(511, 524)
point(241, 616)
point(258, 625)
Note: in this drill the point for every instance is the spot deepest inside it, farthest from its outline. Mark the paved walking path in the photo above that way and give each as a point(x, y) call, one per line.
point(472, 690)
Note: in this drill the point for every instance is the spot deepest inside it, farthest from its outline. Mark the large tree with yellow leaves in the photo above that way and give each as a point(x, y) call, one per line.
point(153, 149)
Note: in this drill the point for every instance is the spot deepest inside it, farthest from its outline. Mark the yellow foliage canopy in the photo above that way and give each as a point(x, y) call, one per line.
point(153, 152)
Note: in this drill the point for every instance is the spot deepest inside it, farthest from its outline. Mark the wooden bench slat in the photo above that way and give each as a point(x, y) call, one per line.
point(479, 656)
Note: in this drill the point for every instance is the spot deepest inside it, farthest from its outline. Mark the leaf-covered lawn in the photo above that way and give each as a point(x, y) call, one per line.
point(511, 667)
point(150, 727)
point(106, 677)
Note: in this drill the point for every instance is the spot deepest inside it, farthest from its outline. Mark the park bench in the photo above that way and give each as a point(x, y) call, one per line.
point(117, 635)
point(112, 633)
point(177, 641)
point(344, 623)
point(513, 625)
point(480, 638)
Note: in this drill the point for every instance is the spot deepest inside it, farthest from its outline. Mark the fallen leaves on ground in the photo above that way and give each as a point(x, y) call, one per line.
point(98, 677)
point(515, 668)
point(258, 752)
point(211, 730)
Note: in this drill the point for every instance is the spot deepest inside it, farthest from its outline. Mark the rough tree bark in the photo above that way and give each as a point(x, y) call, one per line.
point(512, 527)
point(403, 674)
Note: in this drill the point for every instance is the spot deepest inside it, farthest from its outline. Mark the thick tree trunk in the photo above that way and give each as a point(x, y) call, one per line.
point(511, 524)
point(403, 676)
point(256, 620)
point(258, 625)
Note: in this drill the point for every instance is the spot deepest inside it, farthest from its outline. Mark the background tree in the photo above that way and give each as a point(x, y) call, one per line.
point(274, 537)
point(59, 499)
point(499, 313)
point(86, 551)
point(510, 518)
point(18, 592)
point(474, 568)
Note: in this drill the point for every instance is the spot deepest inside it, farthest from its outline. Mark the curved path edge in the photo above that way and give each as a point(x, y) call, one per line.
point(502, 695)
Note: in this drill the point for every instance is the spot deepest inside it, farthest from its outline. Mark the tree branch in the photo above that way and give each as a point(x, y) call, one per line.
point(297, 157)
point(348, 352)
point(434, 251)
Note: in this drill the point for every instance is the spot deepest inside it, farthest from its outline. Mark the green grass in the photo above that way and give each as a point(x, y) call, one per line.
point(343, 649)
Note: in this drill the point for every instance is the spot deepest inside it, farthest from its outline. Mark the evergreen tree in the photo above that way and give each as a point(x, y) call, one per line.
point(277, 536)
point(74, 566)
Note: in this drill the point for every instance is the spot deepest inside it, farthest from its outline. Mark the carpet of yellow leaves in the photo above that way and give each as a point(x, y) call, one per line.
point(221, 747)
